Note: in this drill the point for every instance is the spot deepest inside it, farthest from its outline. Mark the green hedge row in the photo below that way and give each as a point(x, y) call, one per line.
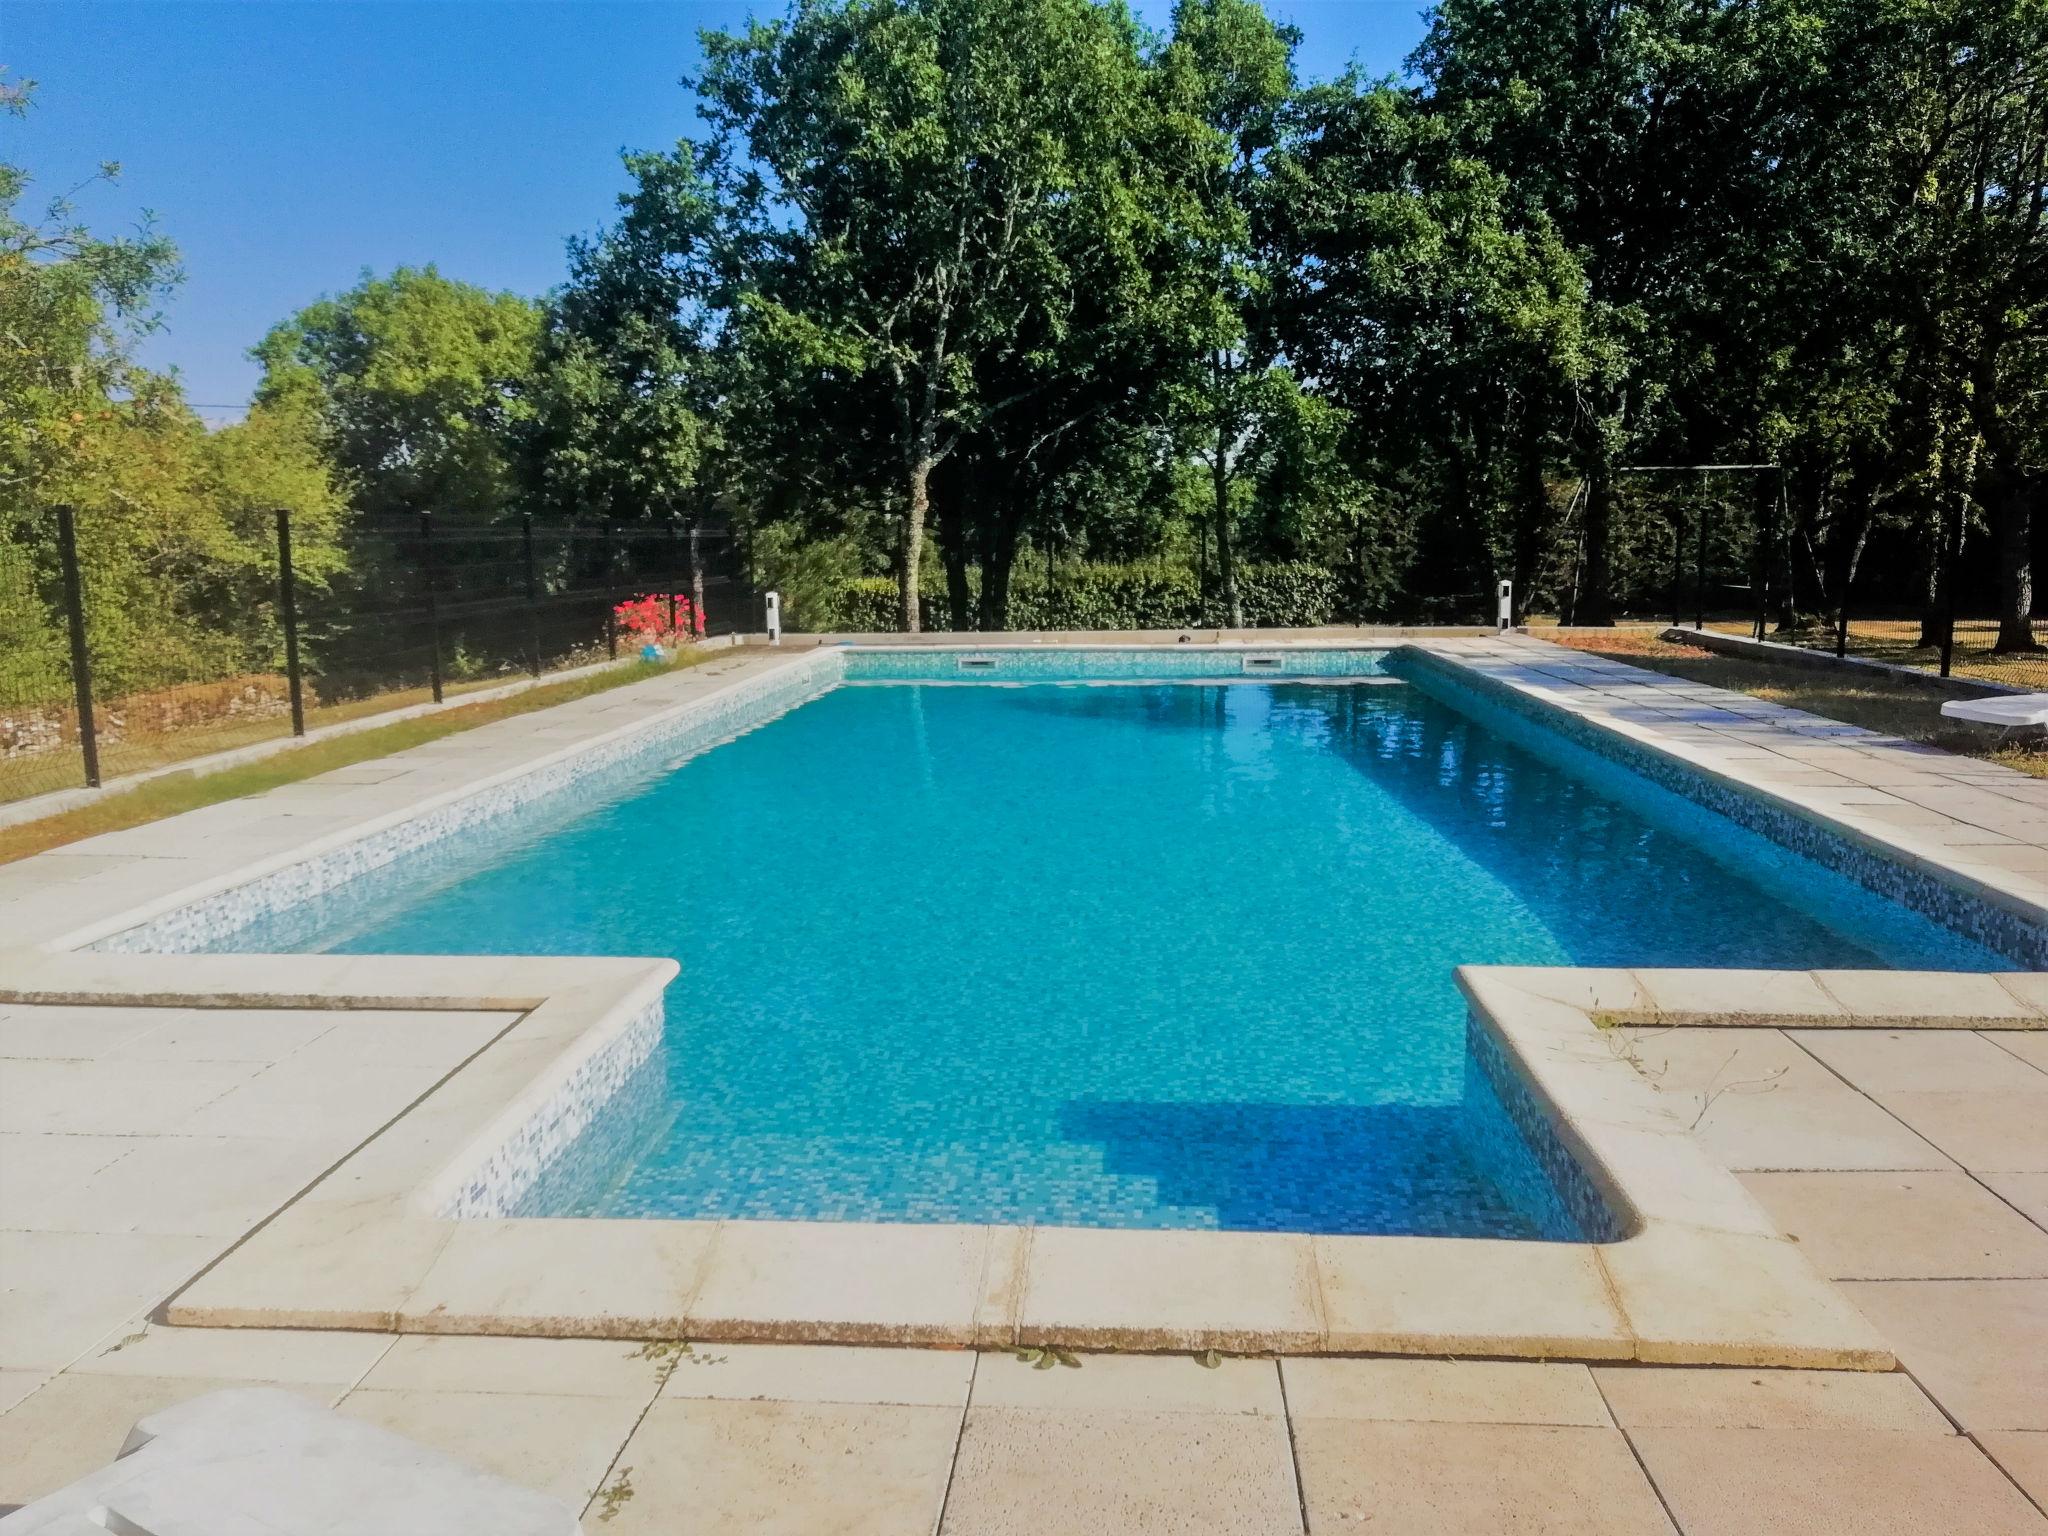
point(1287, 596)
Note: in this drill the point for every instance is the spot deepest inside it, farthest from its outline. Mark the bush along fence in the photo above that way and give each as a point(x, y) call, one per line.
point(99, 679)
point(1286, 595)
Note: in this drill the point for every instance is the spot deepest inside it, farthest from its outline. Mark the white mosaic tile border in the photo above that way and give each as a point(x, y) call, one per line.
point(1918, 888)
point(499, 1167)
point(698, 727)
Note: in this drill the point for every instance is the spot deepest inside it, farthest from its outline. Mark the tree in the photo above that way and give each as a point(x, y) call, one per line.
point(416, 381)
point(905, 174)
point(1228, 72)
point(1449, 324)
point(622, 393)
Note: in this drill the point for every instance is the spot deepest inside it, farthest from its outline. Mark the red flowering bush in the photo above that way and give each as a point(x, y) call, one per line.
point(660, 618)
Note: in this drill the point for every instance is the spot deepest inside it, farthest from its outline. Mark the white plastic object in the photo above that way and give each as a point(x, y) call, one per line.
point(775, 618)
point(259, 1461)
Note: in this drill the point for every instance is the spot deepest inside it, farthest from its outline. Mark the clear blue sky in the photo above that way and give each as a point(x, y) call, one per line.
point(285, 145)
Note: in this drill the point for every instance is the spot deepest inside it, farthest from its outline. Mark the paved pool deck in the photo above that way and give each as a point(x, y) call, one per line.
point(1911, 1166)
point(1902, 1155)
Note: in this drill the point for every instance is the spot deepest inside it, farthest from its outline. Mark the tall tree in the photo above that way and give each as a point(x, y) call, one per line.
point(416, 380)
point(905, 169)
point(1228, 71)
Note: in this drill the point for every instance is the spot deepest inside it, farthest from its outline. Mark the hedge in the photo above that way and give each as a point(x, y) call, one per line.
point(1296, 595)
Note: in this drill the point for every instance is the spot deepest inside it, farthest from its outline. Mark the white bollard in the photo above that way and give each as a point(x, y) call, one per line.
point(1507, 606)
point(775, 618)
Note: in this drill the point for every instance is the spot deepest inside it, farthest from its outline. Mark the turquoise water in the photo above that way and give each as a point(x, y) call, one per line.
point(1143, 955)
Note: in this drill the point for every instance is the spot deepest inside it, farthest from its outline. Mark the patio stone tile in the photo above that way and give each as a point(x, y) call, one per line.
point(1687, 1061)
point(1728, 1397)
point(842, 1283)
point(31, 1031)
point(76, 1424)
point(1132, 1383)
point(780, 1469)
point(1902, 1226)
point(1423, 1296)
point(1108, 1288)
point(310, 1100)
point(229, 1034)
point(65, 1290)
point(1735, 996)
point(1472, 1480)
point(1977, 1346)
point(561, 1446)
point(821, 1373)
point(436, 1038)
point(2024, 1455)
point(549, 1367)
point(317, 1265)
point(1721, 1298)
point(1920, 1060)
point(2004, 1132)
point(36, 1166)
point(1132, 1473)
point(278, 1356)
point(2029, 1045)
point(1762, 1482)
point(17, 1385)
point(1442, 1391)
point(113, 1098)
point(1770, 1126)
point(562, 1276)
point(199, 1186)
point(1923, 995)
point(2028, 1192)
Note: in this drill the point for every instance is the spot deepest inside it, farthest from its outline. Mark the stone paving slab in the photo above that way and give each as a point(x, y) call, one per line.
point(1831, 1482)
point(1903, 1226)
point(1473, 1480)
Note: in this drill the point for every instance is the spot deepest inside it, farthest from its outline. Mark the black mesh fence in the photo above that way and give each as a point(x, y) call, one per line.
point(422, 609)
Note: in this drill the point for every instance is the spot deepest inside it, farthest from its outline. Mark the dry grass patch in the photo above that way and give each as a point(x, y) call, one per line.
point(1898, 706)
point(175, 793)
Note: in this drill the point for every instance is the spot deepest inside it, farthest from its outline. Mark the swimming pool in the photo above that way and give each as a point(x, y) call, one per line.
point(1165, 954)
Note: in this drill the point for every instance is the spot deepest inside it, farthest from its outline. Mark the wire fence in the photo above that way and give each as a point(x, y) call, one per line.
point(419, 610)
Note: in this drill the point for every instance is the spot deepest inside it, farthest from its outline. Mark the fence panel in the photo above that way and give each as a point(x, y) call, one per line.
point(428, 609)
point(39, 738)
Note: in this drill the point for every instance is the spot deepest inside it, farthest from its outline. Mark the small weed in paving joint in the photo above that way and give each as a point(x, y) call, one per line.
point(613, 1496)
point(1044, 1357)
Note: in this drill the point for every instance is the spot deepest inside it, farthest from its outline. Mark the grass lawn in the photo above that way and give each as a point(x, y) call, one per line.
point(173, 793)
point(1896, 705)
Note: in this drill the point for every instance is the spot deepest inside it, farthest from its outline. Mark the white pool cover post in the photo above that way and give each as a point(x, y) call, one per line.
point(1507, 605)
point(775, 618)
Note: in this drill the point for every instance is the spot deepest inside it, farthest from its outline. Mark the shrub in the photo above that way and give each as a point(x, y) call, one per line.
point(1295, 595)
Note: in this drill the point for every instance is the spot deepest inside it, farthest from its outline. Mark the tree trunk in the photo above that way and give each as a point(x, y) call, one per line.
point(1226, 563)
point(1595, 604)
point(998, 558)
point(911, 557)
point(2012, 515)
point(953, 491)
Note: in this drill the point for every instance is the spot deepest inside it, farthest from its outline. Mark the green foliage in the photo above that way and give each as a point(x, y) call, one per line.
point(416, 381)
point(1296, 594)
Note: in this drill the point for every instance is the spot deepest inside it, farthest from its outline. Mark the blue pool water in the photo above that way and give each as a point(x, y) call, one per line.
point(1143, 955)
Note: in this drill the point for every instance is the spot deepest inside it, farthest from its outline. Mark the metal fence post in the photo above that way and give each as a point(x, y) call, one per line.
point(1677, 568)
point(288, 614)
point(1699, 570)
point(427, 571)
point(81, 663)
point(693, 566)
point(676, 573)
point(611, 591)
point(532, 594)
point(1951, 556)
point(1842, 617)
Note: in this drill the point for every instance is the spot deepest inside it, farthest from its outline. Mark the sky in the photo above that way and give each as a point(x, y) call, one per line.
point(287, 145)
